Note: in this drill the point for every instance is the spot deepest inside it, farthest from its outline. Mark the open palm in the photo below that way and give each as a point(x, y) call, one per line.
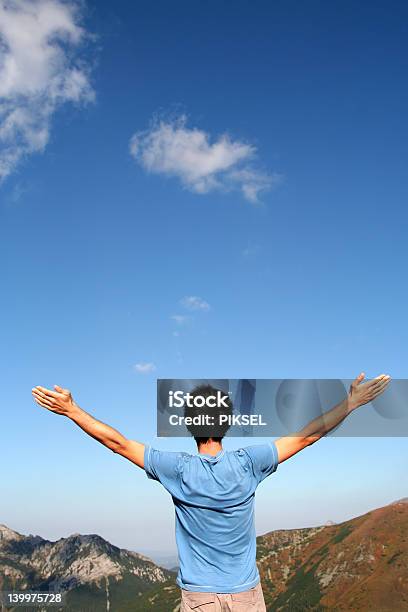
point(361, 393)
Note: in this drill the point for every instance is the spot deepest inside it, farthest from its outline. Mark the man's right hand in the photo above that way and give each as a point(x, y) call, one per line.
point(59, 401)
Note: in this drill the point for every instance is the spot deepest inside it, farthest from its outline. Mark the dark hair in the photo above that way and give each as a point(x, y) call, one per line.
point(203, 433)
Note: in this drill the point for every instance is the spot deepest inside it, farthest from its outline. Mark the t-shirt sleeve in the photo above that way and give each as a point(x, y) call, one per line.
point(162, 466)
point(264, 459)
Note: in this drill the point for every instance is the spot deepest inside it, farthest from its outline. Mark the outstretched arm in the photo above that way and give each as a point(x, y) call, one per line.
point(358, 395)
point(61, 401)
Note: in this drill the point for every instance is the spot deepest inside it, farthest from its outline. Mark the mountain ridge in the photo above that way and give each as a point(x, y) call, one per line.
point(94, 573)
point(358, 565)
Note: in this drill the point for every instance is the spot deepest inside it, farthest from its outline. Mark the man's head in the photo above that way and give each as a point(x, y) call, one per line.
point(204, 433)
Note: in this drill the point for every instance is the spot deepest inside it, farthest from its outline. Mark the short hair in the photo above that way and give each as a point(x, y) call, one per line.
point(203, 433)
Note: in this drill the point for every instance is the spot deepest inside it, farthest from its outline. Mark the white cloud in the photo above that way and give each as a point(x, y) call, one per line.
point(253, 182)
point(180, 319)
point(193, 302)
point(251, 251)
point(39, 70)
point(145, 367)
point(173, 149)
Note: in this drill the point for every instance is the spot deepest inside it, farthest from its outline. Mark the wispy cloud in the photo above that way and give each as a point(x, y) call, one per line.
point(145, 367)
point(193, 302)
point(172, 148)
point(250, 251)
point(180, 319)
point(39, 71)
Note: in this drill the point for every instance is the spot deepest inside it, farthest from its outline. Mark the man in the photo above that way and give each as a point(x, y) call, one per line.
point(213, 494)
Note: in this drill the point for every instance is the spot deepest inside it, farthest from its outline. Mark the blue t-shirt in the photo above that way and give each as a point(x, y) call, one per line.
point(214, 503)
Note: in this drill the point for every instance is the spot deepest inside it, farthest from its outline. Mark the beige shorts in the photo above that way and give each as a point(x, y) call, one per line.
point(245, 601)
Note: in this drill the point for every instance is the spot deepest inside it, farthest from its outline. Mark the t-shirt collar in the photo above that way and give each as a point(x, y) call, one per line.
point(212, 458)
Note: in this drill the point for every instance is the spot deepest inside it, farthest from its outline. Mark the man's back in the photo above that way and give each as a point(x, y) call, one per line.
point(213, 495)
point(214, 503)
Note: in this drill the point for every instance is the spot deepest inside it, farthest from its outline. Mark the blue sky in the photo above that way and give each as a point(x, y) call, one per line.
point(305, 103)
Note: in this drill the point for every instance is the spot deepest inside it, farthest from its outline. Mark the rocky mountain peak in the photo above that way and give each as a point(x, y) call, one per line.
point(8, 534)
point(79, 564)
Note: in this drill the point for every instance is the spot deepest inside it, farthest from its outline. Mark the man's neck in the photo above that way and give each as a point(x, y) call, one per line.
point(210, 448)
